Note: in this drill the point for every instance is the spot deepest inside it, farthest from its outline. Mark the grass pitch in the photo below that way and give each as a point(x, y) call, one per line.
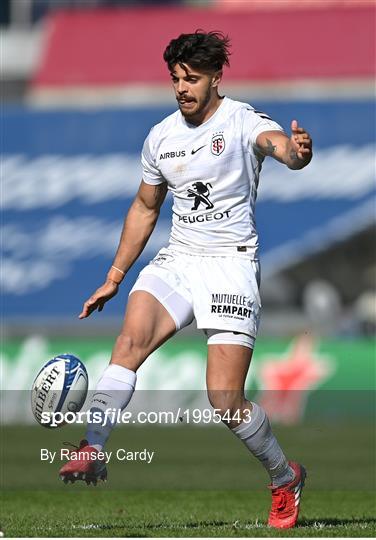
point(202, 483)
point(181, 514)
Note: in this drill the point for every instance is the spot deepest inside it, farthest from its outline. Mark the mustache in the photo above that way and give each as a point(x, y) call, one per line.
point(185, 98)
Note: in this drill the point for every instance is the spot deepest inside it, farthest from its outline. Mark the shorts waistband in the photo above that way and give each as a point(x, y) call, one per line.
point(235, 251)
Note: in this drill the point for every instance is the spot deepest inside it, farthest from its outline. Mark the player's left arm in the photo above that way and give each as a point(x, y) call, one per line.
point(294, 151)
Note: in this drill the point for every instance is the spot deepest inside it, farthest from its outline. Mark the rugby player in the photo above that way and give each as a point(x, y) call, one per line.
point(209, 154)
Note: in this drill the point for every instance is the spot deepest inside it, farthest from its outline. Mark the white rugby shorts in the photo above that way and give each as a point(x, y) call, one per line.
point(220, 291)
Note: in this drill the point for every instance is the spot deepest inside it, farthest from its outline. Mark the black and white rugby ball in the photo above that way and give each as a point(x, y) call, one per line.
point(60, 387)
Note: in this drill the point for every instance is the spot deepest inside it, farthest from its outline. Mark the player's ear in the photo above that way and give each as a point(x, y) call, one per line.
point(216, 79)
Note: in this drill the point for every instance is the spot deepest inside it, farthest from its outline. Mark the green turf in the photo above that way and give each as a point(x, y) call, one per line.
point(168, 513)
point(202, 483)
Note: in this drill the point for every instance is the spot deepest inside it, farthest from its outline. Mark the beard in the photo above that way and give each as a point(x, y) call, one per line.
point(200, 107)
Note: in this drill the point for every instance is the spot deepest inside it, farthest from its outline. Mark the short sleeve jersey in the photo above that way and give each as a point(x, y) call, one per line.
point(212, 171)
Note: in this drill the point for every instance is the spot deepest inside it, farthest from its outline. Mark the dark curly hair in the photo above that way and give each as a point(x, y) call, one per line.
point(205, 51)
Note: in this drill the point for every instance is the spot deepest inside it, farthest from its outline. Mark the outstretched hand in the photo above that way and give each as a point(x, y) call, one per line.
point(301, 141)
point(99, 298)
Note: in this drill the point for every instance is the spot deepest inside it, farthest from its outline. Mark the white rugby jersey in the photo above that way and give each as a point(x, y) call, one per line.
point(212, 171)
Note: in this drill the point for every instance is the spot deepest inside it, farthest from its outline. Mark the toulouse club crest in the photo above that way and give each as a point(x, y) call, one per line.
point(217, 144)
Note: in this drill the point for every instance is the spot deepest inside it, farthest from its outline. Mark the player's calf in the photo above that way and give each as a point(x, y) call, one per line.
point(230, 405)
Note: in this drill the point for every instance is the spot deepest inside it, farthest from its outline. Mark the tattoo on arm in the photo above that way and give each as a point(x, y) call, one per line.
point(156, 193)
point(159, 193)
point(270, 148)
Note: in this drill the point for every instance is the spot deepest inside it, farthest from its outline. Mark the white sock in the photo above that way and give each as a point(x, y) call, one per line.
point(257, 436)
point(114, 391)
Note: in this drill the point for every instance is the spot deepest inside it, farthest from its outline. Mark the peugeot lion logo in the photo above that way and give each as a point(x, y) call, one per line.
point(200, 192)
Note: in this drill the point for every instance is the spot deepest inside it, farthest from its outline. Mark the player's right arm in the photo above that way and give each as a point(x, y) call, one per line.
point(138, 226)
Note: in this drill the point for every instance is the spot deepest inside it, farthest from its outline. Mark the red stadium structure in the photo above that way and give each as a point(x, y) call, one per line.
point(124, 47)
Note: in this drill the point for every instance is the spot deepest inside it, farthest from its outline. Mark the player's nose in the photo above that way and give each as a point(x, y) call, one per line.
point(181, 87)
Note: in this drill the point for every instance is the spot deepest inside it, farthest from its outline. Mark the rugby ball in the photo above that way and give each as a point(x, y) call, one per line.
point(60, 387)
